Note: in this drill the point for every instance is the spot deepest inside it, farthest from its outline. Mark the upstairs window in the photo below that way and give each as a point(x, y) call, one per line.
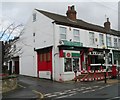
point(91, 38)
point(101, 40)
point(119, 43)
point(34, 17)
point(109, 41)
point(76, 35)
point(63, 32)
point(115, 42)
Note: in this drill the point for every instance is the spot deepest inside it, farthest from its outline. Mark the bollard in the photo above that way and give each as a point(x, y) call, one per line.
point(75, 75)
point(105, 77)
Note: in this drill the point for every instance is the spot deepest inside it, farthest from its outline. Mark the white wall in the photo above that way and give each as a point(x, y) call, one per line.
point(43, 30)
point(84, 36)
point(28, 64)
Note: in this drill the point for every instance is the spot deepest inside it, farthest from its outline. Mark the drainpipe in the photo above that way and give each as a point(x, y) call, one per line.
point(53, 53)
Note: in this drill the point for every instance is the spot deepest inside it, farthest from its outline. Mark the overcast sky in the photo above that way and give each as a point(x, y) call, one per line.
point(92, 11)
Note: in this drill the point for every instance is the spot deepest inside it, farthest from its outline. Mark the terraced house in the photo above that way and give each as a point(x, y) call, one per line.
point(54, 46)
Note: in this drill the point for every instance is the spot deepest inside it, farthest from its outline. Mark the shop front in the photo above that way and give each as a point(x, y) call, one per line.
point(70, 59)
point(116, 57)
point(99, 59)
point(69, 63)
point(94, 59)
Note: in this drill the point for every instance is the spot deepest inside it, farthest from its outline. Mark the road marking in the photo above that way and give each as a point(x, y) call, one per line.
point(101, 88)
point(41, 95)
point(76, 89)
point(47, 94)
point(88, 88)
point(62, 93)
point(65, 96)
point(21, 86)
point(52, 95)
point(83, 87)
point(92, 90)
point(57, 92)
point(72, 91)
point(113, 98)
point(95, 86)
point(107, 85)
point(80, 89)
point(85, 91)
point(67, 90)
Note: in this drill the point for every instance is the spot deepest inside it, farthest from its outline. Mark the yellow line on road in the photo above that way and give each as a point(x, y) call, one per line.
point(41, 95)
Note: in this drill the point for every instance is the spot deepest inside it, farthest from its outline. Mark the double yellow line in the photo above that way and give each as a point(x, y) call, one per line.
point(39, 93)
point(41, 96)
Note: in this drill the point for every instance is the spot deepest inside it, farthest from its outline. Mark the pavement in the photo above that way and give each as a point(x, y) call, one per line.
point(34, 88)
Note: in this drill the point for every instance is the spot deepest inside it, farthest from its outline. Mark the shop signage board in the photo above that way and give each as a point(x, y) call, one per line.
point(69, 54)
point(70, 43)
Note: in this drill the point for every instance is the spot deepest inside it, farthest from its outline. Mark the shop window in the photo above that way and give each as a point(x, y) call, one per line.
point(115, 61)
point(68, 64)
point(75, 64)
point(71, 64)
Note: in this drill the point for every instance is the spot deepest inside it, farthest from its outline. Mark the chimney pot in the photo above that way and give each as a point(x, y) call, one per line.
point(72, 7)
point(107, 25)
point(71, 13)
point(107, 19)
point(69, 8)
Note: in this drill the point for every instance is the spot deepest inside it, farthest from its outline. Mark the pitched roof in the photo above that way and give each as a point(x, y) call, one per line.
point(63, 20)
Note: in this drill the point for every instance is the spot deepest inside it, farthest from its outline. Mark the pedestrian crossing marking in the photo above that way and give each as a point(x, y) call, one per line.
point(67, 93)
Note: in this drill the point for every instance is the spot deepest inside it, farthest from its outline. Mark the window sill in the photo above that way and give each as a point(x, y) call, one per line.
point(68, 73)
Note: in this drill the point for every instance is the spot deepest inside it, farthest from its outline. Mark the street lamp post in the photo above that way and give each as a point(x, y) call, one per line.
point(105, 67)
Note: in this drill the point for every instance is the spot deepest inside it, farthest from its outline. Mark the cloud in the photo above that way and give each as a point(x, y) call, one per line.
point(93, 12)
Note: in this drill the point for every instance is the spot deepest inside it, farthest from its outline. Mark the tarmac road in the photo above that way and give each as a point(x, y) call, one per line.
point(34, 88)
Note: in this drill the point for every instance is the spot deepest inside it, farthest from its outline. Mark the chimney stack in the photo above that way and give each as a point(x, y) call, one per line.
point(107, 25)
point(71, 13)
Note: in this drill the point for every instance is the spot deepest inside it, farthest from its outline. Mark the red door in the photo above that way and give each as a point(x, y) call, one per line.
point(45, 60)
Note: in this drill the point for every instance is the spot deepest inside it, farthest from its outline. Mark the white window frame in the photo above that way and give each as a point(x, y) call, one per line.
point(65, 33)
point(101, 39)
point(34, 17)
point(119, 42)
point(76, 35)
point(92, 38)
point(109, 41)
point(115, 42)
